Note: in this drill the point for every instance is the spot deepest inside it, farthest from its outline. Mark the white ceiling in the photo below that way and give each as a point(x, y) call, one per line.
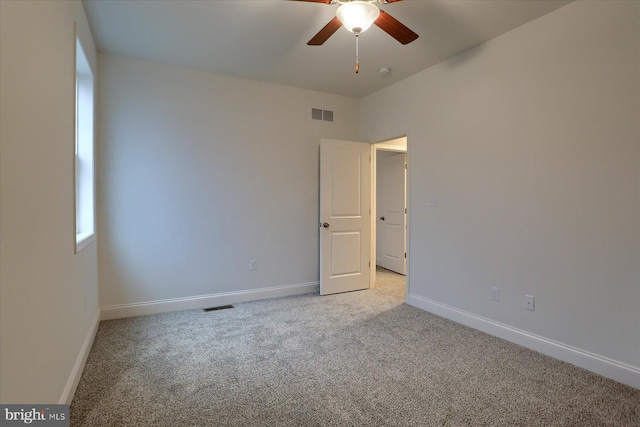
point(266, 39)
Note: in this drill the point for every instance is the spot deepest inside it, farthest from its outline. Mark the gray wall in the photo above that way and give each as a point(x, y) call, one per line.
point(199, 173)
point(48, 294)
point(532, 144)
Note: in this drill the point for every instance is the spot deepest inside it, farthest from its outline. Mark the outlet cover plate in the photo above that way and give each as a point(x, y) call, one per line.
point(530, 302)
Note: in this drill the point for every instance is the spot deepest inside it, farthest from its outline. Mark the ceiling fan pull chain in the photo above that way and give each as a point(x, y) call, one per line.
point(357, 61)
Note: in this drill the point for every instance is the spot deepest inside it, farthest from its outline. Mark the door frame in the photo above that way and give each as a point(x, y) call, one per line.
point(386, 145)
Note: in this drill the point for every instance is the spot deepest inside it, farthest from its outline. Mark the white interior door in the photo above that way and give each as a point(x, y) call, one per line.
point(345, 202)
point(391, 211)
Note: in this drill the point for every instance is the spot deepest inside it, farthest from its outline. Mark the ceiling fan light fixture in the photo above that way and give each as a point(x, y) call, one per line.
point(357, 15)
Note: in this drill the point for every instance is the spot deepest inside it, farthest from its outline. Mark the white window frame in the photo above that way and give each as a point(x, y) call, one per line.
point(84, 176)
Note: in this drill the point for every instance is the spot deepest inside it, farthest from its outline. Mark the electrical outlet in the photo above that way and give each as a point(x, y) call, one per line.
point(253, 265)
point(433, 202)
point(529, 302)
point(495, 293)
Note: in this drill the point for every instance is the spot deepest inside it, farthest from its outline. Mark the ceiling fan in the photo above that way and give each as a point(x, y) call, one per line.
point(357, 16)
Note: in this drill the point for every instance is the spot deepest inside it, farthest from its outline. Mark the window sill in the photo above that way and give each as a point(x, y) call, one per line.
point(83, 240)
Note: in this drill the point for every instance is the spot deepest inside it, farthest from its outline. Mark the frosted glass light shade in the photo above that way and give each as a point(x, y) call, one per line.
point(357, 15)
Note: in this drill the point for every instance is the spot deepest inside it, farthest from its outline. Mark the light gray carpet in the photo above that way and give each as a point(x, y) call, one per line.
point(356, 359)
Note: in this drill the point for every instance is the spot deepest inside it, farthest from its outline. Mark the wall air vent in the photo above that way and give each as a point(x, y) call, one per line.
point(324, 115)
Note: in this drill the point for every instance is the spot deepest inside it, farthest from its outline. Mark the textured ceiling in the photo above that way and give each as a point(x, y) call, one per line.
point(266, 39)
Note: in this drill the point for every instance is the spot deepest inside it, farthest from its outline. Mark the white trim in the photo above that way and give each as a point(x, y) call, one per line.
point(81, 360)
point(389, 147)
point(83, 240)
point(618, 371)
point(202, 301)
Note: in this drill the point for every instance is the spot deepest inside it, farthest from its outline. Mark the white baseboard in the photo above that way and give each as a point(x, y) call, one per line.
point(618, 371)
point(81, 360)
point(203, 301)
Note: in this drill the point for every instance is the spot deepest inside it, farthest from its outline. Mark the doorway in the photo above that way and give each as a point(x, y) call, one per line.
point(346, 251)
point(389, 223)
point(391, 211)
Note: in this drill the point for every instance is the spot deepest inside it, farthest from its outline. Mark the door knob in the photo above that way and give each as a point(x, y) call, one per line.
point(325, 224)
point(381, 218)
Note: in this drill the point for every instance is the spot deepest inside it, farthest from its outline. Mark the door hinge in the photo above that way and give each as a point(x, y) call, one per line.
point(405, 210)
point(405, 254)
point(369, 263)
point(405, 165)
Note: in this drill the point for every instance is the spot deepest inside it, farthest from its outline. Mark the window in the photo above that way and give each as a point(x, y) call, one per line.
point(84, 176)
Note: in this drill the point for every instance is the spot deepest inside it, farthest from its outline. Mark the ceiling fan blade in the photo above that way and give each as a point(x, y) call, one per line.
point(323, 1)
point(325, 33)
point(395, 28)
point(388, 1)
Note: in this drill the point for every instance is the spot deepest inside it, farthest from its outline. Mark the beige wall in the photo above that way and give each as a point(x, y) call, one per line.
point(532, 144)
point(44, 319)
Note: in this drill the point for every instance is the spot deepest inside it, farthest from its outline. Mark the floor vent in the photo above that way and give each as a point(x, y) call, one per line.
point(222, 307)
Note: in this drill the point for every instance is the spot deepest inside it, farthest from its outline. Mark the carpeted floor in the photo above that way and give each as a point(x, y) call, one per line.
point(356, 359)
